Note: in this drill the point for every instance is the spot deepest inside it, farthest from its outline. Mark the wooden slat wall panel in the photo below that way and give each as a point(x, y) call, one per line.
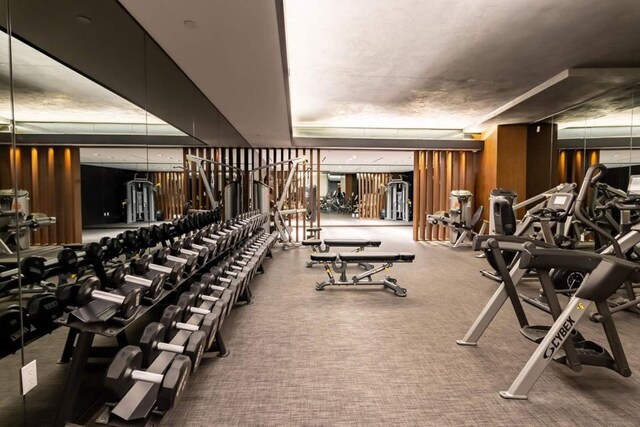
point(51, 175)
point(572, 164)
point(436, 174)
point(371, 195)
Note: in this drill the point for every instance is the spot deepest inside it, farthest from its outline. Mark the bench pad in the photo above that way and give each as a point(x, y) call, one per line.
point(312, 242)
point(376, 257)
point(352, 242)
point(324, 257)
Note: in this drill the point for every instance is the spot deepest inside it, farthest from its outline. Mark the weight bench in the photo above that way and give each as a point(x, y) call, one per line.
point(338, 263)
point(319, 246)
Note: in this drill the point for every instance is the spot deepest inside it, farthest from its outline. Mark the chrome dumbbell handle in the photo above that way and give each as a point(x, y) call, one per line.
point(198, 310)
point(176, 259)
point(187, 326)
point(107, 296)
point(173, 348)
point(148, 377)
point(187, 252)
point(138, 280)
point(160, 268)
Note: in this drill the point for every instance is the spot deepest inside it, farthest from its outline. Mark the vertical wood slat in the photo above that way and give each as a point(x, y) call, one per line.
point(436, 174)
point(51, 175)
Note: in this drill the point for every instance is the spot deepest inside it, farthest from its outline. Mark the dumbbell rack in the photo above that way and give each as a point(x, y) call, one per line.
point(83, 335)
point(137, 406)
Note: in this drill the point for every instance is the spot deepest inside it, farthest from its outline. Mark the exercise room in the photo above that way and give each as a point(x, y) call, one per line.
point(319, 212)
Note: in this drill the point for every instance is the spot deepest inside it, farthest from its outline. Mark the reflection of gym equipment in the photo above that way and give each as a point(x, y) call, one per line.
point(460, 218)
point(16, 220)
point(140, 200)
point(232, 199)
point(279, 213)
point(397, 200)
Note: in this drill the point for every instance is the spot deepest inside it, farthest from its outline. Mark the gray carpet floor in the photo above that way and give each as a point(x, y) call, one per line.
point(358, 356)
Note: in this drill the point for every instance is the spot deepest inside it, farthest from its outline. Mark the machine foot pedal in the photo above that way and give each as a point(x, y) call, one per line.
point(537, 333)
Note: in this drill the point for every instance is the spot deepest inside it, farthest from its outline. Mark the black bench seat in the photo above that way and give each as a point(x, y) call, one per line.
point(363, 257)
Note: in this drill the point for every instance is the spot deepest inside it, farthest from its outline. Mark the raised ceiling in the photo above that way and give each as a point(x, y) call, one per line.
point(383, 65)
point(441, 63)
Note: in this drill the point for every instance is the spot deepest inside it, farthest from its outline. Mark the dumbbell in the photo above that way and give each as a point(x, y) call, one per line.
point(219, 296)
point(154, 287)
point(10, 332)
point(125, 370)
point(193, 242)
point(187, 302)
point(161, 256)
point(152, 343)
point(43, 309)
point(224, 288)
point(118, 276)
point(204, 251)
point(128, 305)
point(172, 320)
point(144, 264)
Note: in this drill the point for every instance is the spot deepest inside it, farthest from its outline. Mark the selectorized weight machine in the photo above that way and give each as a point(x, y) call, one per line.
point(140, 201)
point(397, 200)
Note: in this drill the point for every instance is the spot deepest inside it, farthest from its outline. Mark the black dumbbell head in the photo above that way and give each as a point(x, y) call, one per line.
point(195, 348)
point(118, 380)
point(174, 382)
point(186, 300)
point(140, 265)
point(170, 316)
point(209, 327)
point(153, 334)
point(43, 309)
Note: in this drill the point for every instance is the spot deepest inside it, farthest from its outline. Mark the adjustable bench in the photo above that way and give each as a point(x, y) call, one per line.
point(358, 244)
point(337, 263)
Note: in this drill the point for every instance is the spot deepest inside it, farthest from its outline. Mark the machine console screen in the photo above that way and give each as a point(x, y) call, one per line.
point(634, 185)
point(560, 201)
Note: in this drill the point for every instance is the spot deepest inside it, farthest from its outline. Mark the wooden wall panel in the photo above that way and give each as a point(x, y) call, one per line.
point(371, 194)
point(436, 174)
point(51, 175)
point(572, 164)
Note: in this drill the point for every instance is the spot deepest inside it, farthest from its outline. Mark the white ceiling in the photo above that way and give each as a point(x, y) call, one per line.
point(441, 63)
point(232, 55)
point(382, 64)
point(138, 159)
point(354, 161)
point(52, 98)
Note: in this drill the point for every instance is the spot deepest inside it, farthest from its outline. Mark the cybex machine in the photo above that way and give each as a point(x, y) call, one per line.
point(397, 200)
point(460, 219)
point(140, 200)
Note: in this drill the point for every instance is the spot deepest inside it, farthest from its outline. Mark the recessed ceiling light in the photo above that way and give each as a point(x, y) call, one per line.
point(83, 19)
point(96, 154)
point(190, 24)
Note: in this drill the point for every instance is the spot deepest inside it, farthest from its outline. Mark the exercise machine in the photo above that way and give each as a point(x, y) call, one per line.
point(16, 221)
point(140, 200)
point(460, 218)
point(397, 200)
